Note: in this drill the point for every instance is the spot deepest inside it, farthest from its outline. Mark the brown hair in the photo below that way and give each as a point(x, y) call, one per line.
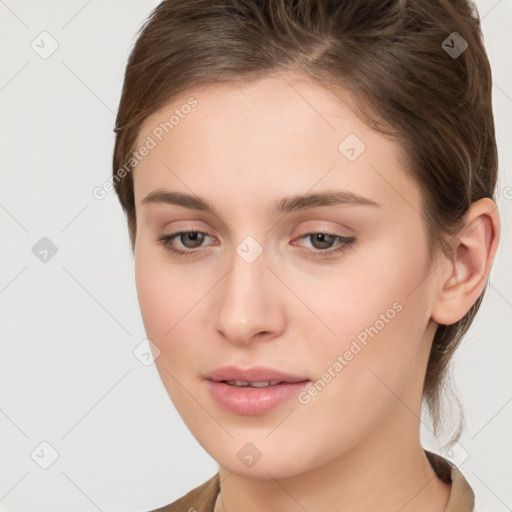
point(391, 55)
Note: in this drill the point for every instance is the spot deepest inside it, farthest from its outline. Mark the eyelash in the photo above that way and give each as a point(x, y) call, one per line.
point(346, 243)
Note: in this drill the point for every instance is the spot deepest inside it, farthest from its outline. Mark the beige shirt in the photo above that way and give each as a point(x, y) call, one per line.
point(462, 498)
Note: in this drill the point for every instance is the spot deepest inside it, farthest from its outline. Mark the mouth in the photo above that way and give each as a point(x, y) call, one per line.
point(257, 376)
point(247, 384)
point(254, 391)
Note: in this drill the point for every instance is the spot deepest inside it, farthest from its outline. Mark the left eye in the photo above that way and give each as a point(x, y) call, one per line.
point(192, 240)
point(326, 241)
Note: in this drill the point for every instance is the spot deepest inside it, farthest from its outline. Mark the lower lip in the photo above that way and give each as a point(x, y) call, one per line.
point(253, 401)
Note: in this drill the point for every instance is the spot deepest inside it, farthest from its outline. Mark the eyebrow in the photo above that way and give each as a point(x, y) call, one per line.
point(284, 205)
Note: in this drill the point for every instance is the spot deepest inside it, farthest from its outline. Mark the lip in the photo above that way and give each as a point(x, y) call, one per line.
point(251, 401)
point(254, 374)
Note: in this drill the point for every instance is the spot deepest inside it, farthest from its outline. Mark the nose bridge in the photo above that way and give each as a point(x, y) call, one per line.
point(248, 297)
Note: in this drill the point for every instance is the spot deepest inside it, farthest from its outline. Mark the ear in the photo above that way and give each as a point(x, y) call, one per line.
point(463, 278)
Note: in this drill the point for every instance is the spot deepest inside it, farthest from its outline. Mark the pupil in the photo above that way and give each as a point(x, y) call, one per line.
point(322, 238)
point(192, 236)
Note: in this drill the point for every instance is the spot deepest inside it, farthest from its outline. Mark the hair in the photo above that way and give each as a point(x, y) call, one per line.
point(390, 55)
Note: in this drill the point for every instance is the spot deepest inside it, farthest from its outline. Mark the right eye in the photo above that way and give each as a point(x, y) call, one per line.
point(194, 238)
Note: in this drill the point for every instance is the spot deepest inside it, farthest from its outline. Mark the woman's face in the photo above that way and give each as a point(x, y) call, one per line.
point(335, 293)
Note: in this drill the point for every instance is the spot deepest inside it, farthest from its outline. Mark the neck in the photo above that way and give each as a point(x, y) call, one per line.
point(388, 472)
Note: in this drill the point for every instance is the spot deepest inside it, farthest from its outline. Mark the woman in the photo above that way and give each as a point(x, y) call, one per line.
point(309, 188)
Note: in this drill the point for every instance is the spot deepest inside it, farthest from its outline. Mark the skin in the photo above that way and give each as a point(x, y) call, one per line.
point(355, 446)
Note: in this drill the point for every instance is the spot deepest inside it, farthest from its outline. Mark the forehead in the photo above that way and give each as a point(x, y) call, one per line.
point(281, 132)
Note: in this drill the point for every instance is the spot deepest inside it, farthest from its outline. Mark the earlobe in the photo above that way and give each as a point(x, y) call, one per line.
point(463, 278)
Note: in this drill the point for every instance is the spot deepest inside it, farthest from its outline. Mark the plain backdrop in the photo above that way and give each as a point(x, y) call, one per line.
point(85, 425)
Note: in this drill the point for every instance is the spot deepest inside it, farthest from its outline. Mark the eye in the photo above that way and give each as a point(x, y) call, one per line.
point(192, 240)
point(322, 241)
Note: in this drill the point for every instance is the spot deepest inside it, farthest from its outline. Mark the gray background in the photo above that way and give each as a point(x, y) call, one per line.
point(70, 324)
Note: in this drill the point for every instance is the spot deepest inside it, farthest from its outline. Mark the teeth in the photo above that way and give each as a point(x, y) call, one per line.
point(245, 383)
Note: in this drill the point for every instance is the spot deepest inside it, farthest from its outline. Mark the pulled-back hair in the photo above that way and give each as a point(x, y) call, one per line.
point(394, 58)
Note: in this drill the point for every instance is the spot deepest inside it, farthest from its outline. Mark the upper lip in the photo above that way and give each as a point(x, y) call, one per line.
point(254, 374)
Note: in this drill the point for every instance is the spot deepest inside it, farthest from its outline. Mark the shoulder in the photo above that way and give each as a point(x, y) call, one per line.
point(462, 497)
point(199, 499)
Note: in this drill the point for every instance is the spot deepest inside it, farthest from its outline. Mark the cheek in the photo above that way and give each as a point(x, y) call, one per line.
point(357, 299)
point(156, 298)
point(166, 306)
point(166, 303)
point(360, 375)
point(170, 300)
point(377, 315)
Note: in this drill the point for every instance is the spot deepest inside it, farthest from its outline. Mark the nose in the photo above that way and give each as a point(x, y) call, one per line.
point(251, 302)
